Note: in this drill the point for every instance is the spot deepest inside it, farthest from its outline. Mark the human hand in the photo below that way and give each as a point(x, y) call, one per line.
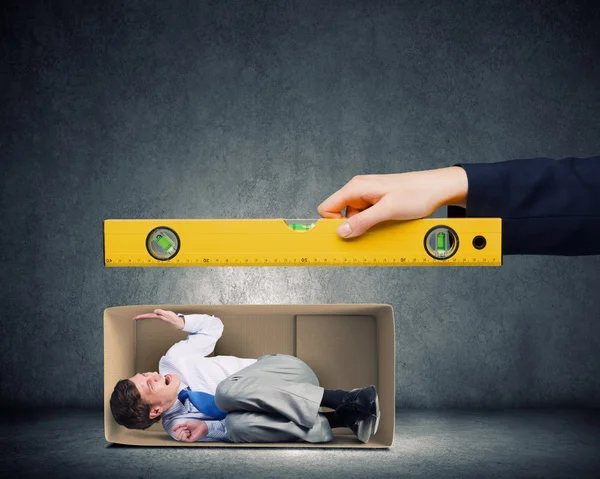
point(168, 317)
point(371, 199)
point(190, 431)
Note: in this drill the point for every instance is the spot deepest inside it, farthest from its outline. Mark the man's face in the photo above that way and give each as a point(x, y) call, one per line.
point(157, 390)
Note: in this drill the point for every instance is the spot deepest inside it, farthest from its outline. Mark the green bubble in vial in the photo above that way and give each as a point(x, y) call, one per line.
point(164, 242)
point(441, 242)
point(300, 226)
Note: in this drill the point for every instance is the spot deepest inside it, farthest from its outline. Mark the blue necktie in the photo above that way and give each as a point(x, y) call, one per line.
point(204, 402)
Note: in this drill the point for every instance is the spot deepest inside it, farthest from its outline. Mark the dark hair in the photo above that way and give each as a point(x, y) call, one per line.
point(127, 406)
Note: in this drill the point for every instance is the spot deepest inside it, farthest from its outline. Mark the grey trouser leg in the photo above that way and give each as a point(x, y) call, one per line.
point(276, 399)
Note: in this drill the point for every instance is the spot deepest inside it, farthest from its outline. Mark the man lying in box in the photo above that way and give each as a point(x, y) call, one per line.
point(275, 398)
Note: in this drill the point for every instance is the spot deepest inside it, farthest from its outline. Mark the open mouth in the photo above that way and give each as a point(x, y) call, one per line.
point(168, 379)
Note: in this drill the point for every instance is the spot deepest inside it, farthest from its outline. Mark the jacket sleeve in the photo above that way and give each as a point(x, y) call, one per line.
point(548, 207)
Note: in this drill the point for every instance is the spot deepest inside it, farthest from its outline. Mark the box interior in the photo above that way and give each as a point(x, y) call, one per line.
point(347, 346)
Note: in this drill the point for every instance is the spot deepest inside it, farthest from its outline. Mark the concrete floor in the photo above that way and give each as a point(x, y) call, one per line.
point(466, 443)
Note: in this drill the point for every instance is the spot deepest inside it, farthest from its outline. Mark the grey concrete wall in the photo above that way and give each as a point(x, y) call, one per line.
point(250, 110)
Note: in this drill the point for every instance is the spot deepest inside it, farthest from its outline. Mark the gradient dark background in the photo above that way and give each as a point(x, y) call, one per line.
point(150, 109)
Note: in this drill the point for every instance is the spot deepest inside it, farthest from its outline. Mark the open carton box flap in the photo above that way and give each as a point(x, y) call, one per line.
point(347, 346)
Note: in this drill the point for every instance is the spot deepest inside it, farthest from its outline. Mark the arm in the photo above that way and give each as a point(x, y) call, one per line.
point(547, 206)
point(204, 332)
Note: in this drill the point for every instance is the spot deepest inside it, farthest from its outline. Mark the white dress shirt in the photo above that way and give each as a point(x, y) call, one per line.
point(187, 358)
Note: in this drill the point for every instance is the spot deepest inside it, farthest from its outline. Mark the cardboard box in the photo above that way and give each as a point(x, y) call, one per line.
point(347, 346)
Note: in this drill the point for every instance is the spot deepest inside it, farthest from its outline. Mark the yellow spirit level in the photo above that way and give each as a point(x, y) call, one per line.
point(312, 242)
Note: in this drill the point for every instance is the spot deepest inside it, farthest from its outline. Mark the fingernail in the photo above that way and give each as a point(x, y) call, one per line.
point(345, 230)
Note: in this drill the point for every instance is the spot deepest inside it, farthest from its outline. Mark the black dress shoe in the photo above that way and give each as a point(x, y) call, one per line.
point(361, 407)
point(360, 400)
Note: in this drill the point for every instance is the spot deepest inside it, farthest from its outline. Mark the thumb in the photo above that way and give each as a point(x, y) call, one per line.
point(361, 222)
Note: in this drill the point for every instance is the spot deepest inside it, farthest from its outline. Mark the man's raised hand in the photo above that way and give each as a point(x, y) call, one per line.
point(168, 317)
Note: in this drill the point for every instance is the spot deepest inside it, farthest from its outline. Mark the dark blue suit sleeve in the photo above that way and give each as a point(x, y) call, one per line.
point(549, 207)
